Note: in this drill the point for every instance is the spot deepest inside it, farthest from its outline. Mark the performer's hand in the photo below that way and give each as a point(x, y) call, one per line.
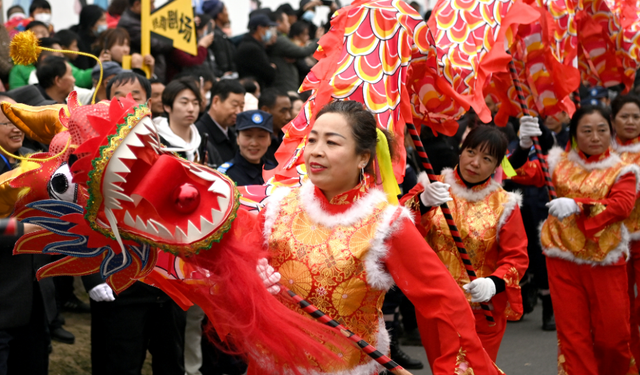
point(435, 193)
point(528, 128)
point(102, 293)
point(269, 277)
point(481, 289)
point(563, 207)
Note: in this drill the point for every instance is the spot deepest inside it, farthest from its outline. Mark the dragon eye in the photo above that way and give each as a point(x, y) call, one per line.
point(61, 186)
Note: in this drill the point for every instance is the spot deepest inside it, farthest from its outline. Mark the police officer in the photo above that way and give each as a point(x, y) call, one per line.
point(254, 137)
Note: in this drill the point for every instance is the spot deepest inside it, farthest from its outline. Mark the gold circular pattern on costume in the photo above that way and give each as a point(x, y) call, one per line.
point(571, 236)
point(348, 296)
point(297, 277)
point(453, 264)
point(307, 232)
point(360, 241)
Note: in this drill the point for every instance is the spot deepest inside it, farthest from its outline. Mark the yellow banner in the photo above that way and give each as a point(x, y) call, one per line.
point(175, 21)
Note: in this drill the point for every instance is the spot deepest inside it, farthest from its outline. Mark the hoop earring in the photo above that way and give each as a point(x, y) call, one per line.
point(361, 174)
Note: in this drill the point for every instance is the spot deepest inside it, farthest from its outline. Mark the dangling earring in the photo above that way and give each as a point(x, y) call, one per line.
point(361, 174)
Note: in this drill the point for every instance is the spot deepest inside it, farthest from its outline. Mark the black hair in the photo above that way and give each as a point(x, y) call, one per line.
point(197, 72)
point(620, 101)
point(132, 2)
point(298, 28)
point(154, 81)
point(175, 87)
point(204, 21)
point(363, 127)
point(269, 97)
point(12, 9)
point(287, 9)
point(49, 42)
point(128, 77)
point(66, 38)
point(293, 98)
point(117, 7)
point(225, 87)
point(54, 66)
point(89, 16)
point(33, 24)
point(587, 110)
point(250, 85)
point(489, 139)
point(276, 16)
point(39, 4)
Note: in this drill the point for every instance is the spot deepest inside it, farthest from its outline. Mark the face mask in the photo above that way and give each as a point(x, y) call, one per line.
point(308, 15)
point(18, 15)
point(43, 17)
point(101, 28)
point(207, 97)
point(267, 36)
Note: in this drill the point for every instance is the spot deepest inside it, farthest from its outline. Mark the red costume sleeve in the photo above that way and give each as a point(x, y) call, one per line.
point(530, 174)
point(597, 215)
point(446, 323)
point(513, 261)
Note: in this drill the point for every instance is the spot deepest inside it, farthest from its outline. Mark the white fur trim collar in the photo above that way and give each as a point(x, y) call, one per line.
point(611, 258)
point(631, 168)
point(377, 275)
point(553, 158)
point(464, 192)
point(272, 210)
point(632, 148)
point(358, 211)
point(609, 162)
point(515, 199)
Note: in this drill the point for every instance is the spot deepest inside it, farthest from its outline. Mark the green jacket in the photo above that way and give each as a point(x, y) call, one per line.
point(19, 76)
point(82, 76)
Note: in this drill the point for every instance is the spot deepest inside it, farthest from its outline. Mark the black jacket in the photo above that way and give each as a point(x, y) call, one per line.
point(252, 61)
point(287, 78)
point(244, 173)
point(225, 147)
point(18, 280)
point(223, 52)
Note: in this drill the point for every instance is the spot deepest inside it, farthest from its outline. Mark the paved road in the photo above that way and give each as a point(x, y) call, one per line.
point(525, 349)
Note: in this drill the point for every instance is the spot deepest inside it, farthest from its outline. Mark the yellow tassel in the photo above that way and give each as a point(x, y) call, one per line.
point(25, 48)
point(389, 182)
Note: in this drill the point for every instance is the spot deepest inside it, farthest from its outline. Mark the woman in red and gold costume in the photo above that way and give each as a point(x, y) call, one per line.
point(490, 225)
point(625, 112)
point(338, 242)
point(587, 245)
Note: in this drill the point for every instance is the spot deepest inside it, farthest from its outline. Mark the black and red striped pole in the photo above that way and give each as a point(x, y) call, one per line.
point(9, 227)
point(426, 164)
point(525, 110)
point(371, 351)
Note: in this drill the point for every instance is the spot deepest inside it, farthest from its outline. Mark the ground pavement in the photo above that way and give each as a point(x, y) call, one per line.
point(526, 349)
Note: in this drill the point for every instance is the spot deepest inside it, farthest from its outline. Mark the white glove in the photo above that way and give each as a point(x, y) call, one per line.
point(269, 277)
point(563, 207)
point(481, 289)
point(435, 194)
point(102, 293)
point(528, 128)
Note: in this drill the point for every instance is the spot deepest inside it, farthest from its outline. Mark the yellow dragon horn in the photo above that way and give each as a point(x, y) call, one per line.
point(38, 123)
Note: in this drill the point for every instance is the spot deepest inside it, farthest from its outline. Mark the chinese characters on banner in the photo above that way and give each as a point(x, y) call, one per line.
point(175, 21)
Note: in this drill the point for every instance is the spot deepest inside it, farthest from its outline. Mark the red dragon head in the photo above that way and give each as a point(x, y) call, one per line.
point(141, 192)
